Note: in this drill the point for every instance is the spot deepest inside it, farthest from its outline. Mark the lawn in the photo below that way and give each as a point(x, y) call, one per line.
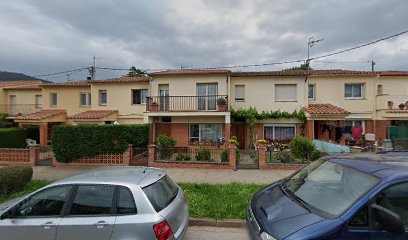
point(216, 201)
point(219, 201)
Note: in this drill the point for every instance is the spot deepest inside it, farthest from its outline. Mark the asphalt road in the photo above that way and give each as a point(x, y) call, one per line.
point(214, 233)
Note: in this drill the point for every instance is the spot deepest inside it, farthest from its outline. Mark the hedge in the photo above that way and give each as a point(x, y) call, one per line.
point(14, 178)
point(12, 138)
point(73, 142)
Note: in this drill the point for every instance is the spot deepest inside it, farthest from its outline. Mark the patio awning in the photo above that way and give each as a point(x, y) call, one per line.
point(359, 117)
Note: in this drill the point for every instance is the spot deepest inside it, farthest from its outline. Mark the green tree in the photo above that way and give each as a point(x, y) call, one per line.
point(303, 67)
point(135, 72)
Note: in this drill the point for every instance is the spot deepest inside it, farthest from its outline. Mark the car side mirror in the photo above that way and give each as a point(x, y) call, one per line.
point(387, 220)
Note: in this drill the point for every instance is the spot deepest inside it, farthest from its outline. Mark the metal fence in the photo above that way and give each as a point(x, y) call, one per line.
point(201, 154)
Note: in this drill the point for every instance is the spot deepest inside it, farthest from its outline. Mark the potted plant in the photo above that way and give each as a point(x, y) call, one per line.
point(222, 105)
point(401, 106)
point(390, 104)
point(154, 107)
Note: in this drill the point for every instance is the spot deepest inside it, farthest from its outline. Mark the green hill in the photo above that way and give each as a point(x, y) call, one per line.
point(13, 76)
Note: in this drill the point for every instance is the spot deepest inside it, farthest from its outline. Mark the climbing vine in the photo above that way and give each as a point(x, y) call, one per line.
point(252, 114)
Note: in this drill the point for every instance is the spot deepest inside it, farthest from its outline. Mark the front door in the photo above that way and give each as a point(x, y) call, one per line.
point(207, 96)
point(90, 214)
point(164, 97)
point(36, 217)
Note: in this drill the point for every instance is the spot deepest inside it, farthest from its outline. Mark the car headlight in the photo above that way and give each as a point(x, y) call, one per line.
point(265, 236)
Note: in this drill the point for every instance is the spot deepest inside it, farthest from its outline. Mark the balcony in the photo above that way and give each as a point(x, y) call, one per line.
point(210, 103)
point(19, 109)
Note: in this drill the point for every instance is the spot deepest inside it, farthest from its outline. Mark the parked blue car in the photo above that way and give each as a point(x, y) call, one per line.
point(342, 197)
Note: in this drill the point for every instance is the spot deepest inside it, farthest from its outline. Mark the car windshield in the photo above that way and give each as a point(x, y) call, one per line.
point(161, 193)
point(329, 187)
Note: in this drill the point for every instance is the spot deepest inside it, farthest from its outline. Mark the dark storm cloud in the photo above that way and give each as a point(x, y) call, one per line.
point(47, 36)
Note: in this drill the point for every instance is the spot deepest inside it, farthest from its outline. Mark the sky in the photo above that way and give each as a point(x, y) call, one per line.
point(46, 36)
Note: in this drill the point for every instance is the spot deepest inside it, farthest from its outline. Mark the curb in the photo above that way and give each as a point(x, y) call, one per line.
point(207, 222)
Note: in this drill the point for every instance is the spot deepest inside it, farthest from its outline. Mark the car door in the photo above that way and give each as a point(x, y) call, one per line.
point(37, 217)
point(395, 199)
point(89, 214)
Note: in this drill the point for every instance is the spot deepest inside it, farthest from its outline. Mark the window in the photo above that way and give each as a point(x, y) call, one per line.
point(380, 90)
point(92, 200)
point(161, 193)
point(279, 132)
point(353, 91)
point(45, 203)
point(207, 96)
point(139, 96)
point(53, 99)
point(311, 93)
point(85, 99)
point(239, 93)
point(126, 203)
point(285, 93)
point(395, 199)
point(204, 132)
point(103, 97)
point(38, 101)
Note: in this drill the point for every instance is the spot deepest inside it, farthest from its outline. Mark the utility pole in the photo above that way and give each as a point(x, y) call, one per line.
point(310, 44)
point(372, 65)
point(68, 77)
point(92, 70)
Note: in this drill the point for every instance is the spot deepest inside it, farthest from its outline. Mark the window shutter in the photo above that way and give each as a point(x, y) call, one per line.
point(285, 92)
point(240, 92)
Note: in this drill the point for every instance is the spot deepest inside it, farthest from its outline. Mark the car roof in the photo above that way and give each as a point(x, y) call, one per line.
point(384, 165)
point(128, 176)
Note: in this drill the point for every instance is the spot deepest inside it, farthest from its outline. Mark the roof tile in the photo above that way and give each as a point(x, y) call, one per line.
point(325, 108)
point(93, 114)
point(43, 114)
point(122, 80)
point(80, 83)
point(301, 73)
point(191, 72)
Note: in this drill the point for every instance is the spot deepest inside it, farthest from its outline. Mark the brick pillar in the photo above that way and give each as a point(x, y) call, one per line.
point(152, 154)
point(227, 131)
point(127, 155)
point(33, 155)
point(262, 156)
point(309, 131)
point(44, 134)
point(232, 155)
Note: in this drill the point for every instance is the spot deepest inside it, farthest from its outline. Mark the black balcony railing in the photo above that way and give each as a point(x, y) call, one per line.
point(217, 103)
point(19, 109)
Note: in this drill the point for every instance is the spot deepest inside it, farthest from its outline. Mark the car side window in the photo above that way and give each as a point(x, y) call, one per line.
point(360, 220)
point(126, 203)
point(92, 200)
point(48, 202)
point(395, 199)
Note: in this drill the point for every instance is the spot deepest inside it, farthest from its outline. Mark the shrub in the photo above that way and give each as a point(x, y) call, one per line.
point(164, 141)
point(301, 148)
point(12, 138)
point(221, 101)
point(163, 144)
point(224, 155)
point(72, 142)
point(203, 154)
point(283, 157)
point(183, 156)
point(14, 178)
point(316, 154)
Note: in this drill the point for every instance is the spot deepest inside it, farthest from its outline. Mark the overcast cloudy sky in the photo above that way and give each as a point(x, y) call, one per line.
point(43, 36)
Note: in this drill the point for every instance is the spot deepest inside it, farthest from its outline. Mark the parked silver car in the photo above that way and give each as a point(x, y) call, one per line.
point(116, 203)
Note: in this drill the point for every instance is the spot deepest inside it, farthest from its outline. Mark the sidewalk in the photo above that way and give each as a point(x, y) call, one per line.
point(184, 175)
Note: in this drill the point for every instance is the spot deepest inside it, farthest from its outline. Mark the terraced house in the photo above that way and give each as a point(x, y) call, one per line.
point(195, 106)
